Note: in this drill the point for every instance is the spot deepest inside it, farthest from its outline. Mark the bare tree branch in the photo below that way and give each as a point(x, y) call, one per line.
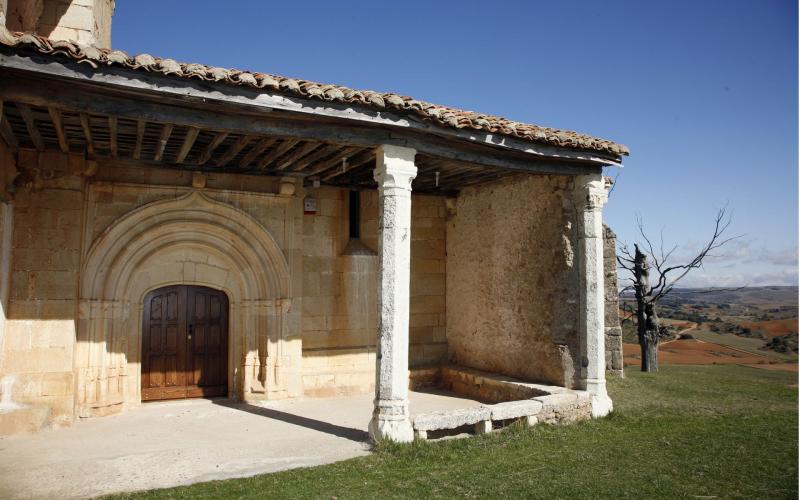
point(664, 285)
point(640, 265)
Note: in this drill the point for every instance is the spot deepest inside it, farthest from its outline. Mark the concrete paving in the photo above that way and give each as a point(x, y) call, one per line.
point(167, 444)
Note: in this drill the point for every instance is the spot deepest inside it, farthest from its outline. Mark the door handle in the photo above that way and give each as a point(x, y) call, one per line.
point(191, 329)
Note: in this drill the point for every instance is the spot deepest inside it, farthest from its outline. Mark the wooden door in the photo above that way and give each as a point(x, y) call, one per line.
point(184, 343)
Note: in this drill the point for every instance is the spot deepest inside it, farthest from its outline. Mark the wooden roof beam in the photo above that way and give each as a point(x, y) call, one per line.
point(55, 116)
point(87, 133)
point(336, 160)
point(297, 154)
point(352, 165)
point(30, 124)
point(209, 150)
point(5, 130)
point(112, 136)
point(316, 155)
point(256, 150)
point(234, 150)
point(237, 119)
point(137, 149)
point(188, 142)
point(277, 153)
point(211, 93)
point(166, 131)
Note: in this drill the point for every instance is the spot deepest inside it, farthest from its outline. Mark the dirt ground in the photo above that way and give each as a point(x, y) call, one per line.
point(775, 327)
point(696, 352)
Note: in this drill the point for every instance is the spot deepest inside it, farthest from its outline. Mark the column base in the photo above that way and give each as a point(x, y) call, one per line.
point(399, 431)
point(390, 421)
point(601, 402)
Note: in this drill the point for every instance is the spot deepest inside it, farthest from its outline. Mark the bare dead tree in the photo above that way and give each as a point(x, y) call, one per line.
point(649, 290)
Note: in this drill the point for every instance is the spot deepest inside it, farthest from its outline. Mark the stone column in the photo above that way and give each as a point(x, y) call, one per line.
point(590, 196)
point(394, 171)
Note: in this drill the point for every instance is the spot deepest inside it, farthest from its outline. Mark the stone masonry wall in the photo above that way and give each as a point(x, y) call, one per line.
point(511, 280)
point(37, 362)
point(63, 204)
point(338, 304)
point(83, 21)
point(55, 218)
point(340, 288)
point(614, 360)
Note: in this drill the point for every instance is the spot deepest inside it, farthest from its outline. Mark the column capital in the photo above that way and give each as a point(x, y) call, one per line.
point(394, 167)
point(590, 192)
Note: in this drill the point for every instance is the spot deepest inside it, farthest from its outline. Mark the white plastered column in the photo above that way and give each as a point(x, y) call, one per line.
point(394, 171)
point(590, 196)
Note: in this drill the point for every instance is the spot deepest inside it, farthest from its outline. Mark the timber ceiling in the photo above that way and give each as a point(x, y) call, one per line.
point(195, 148)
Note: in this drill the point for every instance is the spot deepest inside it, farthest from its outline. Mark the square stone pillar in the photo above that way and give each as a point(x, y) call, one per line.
point(394, 171)
point(589, 197)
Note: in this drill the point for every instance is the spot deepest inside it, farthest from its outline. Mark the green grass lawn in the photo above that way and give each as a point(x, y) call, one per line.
point(688, 431)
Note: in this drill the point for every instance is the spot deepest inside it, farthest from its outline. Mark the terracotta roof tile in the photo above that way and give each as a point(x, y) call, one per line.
point(440, 115)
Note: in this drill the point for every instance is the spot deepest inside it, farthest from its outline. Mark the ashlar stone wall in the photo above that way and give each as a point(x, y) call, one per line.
point(340, 291)
point(614, 360)
point(39, 338)
point(511, 279)
point(83, 21)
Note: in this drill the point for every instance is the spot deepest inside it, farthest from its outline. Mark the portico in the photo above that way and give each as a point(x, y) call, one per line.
point(363, 243)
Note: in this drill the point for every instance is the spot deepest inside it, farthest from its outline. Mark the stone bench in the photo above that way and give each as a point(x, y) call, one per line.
point(537, 403)
point(480, 417)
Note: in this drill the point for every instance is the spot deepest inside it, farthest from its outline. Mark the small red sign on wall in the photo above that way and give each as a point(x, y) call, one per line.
point(309, 205)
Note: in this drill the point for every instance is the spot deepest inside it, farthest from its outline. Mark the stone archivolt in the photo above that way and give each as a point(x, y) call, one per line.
point(188, 240)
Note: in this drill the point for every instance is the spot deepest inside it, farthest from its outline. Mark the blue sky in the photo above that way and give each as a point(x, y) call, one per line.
point(704, 92)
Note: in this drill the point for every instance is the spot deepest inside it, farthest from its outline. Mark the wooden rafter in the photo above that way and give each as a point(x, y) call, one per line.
point(298, 154)
point(188, 142)
point(209, 150)
point(87, 133)
point(447, 172)
point(234, 150)
point(484, 149)
point(5, 130)
point(55, 116)
point(352, 165)
point(322, 152)
point(480, 179)
point(256, 150)
point(335, 160)
point(166, 131)
point(112, 136)
point(137, 149)
point(30, 124)
point(277, 153)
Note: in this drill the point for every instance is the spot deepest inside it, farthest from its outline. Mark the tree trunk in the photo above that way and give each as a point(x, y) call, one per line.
point(649, 345)
point(646, 317)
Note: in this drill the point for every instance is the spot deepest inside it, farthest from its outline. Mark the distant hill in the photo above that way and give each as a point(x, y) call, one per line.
point(757, 295)
point(759, 320)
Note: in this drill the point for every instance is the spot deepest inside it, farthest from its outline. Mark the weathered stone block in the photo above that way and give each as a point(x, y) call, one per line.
point(515, 409)
point(556, 400)
point(451, 419)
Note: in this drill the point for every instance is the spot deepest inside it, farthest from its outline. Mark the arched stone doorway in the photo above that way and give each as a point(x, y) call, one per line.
point(190, 240)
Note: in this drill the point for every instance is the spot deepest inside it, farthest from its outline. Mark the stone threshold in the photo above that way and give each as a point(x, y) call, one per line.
point(506, 400)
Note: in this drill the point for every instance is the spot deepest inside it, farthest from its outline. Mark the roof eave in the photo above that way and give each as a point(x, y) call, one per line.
point(265, 101)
